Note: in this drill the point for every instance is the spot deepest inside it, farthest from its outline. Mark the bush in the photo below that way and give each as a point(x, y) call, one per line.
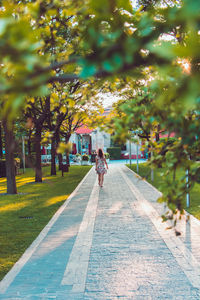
point(45, 164)
point(107, 155)
point(17, 165)
point(85, 157)
point(3, 167)
point(93, 157)
point(114, 152)
point(17, 162)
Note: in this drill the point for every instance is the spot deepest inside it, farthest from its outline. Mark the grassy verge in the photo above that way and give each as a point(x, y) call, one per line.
point(145, 172)
point(24, 215)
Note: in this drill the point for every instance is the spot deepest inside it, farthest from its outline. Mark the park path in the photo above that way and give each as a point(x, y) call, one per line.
point(109, 243)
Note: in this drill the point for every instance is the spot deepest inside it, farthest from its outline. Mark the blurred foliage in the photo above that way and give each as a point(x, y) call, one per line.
point(149, 54)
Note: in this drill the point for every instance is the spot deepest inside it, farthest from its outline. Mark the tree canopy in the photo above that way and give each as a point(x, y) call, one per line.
point(150, 54)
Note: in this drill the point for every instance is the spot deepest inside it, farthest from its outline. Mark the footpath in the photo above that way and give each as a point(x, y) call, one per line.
point(109, 243)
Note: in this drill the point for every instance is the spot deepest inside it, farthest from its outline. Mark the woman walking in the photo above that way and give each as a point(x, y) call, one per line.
point(100, 166)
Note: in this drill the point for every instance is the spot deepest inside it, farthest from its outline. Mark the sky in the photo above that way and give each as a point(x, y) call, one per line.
point(108, 98)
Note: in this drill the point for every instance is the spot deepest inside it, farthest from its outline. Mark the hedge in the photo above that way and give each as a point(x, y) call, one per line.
point(115, 152)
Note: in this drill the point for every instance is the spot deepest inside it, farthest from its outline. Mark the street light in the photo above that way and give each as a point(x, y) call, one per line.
point(23, 153)
point(81, 146)
point(152, 173)
point(130, 151)
point(136, 132)
point(137, 150)
point(187, 184)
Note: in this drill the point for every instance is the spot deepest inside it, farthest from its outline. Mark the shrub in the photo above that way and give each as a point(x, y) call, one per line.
point(3, 166)
point(114, 152)
point(45, 164)
point(107, 155)
point(93, 157)
point(17, 165)
point(17, 162)
point(85, 157)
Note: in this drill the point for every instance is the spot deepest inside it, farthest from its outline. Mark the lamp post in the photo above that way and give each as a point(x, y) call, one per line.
point(187, 185)
point(135, 132)
point(81, 147)
point(130, 152)
point(23, 154)
point(152, 172)
point(137, 150)
point(97, 140)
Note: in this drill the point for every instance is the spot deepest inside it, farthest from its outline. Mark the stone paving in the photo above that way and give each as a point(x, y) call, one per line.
point(109, 243)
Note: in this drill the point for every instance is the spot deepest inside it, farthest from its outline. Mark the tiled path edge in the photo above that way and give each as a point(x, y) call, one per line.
point(107, 244)
point(10, 276)
point(183, 256)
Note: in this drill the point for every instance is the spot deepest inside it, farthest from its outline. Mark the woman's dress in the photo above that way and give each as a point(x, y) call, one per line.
point(101, 169)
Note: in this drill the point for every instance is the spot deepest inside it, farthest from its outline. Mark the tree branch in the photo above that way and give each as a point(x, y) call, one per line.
point(139, 62)
point(54, 66)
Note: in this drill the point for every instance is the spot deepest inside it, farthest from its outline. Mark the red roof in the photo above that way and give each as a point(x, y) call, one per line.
point(83, 130)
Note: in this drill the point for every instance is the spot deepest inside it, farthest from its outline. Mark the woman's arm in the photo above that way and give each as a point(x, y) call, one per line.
point(96, 163)
point(106, 163)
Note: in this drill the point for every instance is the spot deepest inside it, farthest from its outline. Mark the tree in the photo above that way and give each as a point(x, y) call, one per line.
point(111, 41)
point(37, 110)
point(9, 154)
point(71, 106)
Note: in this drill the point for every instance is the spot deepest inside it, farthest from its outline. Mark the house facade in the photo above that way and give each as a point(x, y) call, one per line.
point(85, 140)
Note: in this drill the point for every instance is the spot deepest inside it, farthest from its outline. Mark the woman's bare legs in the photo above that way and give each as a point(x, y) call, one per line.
point(102, 175)
point(99, 178)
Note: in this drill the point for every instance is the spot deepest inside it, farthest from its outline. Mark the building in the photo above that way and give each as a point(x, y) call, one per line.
point(85, 141)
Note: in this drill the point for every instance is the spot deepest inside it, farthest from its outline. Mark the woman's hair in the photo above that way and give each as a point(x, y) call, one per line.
point(100, 153)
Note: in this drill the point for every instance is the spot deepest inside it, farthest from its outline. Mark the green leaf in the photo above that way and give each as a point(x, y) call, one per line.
point(88, 71)
point(3, 24)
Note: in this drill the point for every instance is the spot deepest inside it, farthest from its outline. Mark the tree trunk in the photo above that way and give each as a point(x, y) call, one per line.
point(38, 164)
point(60, 157)
point(10, 162)
point(157, 137)
point(60, 161)
point(67, 152)
point(29, 158)
point(158, 133)
point(53, 156)
point(29, 143)
point(1, 142)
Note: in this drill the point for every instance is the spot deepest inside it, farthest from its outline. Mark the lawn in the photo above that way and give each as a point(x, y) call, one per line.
point(24, 215)
point(145, 172)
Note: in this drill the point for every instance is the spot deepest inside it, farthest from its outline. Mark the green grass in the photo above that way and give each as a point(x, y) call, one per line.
point(39, 201)
point(145, 172)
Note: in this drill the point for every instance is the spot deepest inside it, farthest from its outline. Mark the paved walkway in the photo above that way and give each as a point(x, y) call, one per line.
point(109, 243)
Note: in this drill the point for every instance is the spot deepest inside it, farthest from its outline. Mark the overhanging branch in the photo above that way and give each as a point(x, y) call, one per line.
point(138, 62)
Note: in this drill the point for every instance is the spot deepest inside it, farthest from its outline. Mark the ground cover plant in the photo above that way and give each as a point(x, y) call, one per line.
point(159, 183)
point(24, 215)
